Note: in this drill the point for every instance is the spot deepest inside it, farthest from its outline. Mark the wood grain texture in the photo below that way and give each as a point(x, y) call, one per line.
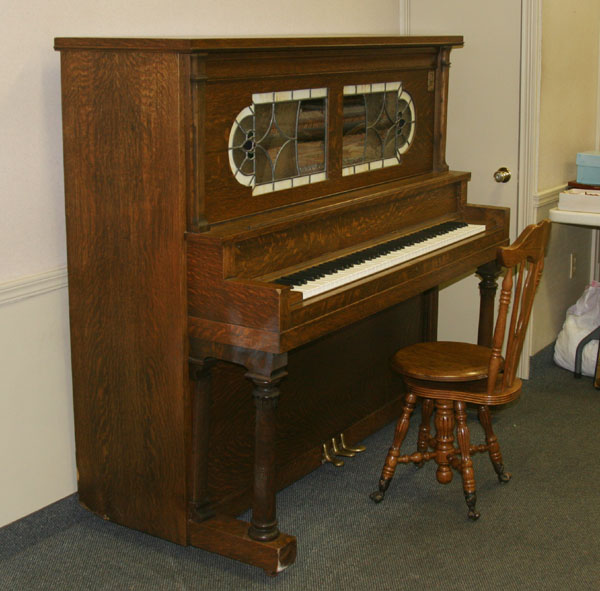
point(443, 361)
point(325, 393)
point(125, 208)
point(228, 537)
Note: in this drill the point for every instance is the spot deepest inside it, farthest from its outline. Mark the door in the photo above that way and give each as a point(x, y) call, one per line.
point(483, 120)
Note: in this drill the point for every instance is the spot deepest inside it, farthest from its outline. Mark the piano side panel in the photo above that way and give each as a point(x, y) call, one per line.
point(240, 303)
point(339, 383)
point(125, 210)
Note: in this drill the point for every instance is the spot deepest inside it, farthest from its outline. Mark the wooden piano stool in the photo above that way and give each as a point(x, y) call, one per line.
point(240, 211)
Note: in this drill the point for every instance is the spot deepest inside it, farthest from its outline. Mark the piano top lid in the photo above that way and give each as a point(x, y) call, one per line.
point(216, 44)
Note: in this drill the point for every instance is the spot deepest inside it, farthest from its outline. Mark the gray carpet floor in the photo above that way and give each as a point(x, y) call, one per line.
point(540, 531)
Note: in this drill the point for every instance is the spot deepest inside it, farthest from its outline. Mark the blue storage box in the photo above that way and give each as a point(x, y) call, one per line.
point(588, 168)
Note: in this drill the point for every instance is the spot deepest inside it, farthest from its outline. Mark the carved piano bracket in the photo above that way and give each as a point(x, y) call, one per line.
point(333, 449)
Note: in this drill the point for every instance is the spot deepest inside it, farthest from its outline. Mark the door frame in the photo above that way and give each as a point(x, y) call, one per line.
point(529, 122)
point(529, 133)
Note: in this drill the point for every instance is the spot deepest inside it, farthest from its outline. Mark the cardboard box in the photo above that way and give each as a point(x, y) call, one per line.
point(588, 168)
point(579, 200)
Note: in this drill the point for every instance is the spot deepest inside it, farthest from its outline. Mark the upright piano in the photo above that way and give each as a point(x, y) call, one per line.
point(240, 211)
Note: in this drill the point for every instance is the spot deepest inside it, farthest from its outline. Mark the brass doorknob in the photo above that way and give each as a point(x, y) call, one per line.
point(502, 175)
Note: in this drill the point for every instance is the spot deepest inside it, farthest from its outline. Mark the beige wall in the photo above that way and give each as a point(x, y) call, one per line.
point(37, 464)
point(37, 447)
point(568, 124)
point(569, 87)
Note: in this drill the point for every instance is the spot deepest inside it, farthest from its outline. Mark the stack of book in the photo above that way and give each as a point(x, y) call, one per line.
point(580, 197)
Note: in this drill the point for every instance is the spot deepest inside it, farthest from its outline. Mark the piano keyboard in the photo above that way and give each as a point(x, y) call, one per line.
point(357, 265)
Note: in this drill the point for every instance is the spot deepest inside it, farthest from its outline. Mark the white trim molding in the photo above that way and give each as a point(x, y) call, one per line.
point(529, 131)
point(34, 285)
point(547, 197)
point(529, 128)
point(404, 10)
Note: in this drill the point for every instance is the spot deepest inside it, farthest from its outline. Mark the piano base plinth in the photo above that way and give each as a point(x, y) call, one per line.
point(228, 537)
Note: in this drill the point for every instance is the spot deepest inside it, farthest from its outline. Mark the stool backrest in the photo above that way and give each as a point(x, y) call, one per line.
point(524, 260)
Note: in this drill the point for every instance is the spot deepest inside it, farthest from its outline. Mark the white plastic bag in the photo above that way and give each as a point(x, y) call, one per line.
point(582, 318)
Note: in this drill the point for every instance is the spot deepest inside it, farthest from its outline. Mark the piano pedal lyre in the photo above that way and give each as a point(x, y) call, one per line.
point(356, 449)
point(329, 459)
point(341, 449)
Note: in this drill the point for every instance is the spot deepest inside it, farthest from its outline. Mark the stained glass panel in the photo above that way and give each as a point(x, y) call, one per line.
point(379, 126)
point(279, 141)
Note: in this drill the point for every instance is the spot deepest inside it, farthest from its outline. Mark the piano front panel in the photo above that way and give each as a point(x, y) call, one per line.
point(223, 99)
point(324, 394)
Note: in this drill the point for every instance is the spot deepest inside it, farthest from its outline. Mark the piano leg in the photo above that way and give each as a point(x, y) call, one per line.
point(259, 543)
point(266, 395)
point(430, 300)
point(488, 286)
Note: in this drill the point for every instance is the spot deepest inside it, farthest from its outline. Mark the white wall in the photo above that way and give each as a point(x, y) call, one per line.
point(36, 440)
point(36, 412)
point(569, 87)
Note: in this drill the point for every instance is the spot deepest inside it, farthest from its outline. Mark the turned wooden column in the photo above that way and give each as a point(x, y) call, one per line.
point(444, 426)
point(488, 286)
point(263, 525)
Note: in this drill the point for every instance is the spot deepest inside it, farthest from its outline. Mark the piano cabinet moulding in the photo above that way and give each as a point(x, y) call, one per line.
point(176, 238)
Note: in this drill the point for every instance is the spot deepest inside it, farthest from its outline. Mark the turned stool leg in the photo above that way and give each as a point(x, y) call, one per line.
point(392, 458)
point(425, 427)
point(444, 426)
point(485, 419)
point(466, 464)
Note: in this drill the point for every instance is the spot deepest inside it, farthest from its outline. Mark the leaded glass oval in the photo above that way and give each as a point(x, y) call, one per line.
point(279, 142)
point(379, 126)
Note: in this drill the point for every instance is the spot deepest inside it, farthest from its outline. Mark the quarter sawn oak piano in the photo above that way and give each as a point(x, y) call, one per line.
point(239, 210)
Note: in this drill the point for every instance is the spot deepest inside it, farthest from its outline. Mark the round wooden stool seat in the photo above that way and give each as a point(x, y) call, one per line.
point(443, 361)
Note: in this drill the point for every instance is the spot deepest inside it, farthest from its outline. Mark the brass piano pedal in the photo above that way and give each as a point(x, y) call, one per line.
point(356, 449)
point(328, 458)
point(341, 451)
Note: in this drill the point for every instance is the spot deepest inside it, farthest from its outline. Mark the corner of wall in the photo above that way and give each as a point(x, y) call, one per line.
point(36, 409)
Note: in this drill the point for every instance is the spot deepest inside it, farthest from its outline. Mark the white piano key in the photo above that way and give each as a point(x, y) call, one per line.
point(362, 270)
